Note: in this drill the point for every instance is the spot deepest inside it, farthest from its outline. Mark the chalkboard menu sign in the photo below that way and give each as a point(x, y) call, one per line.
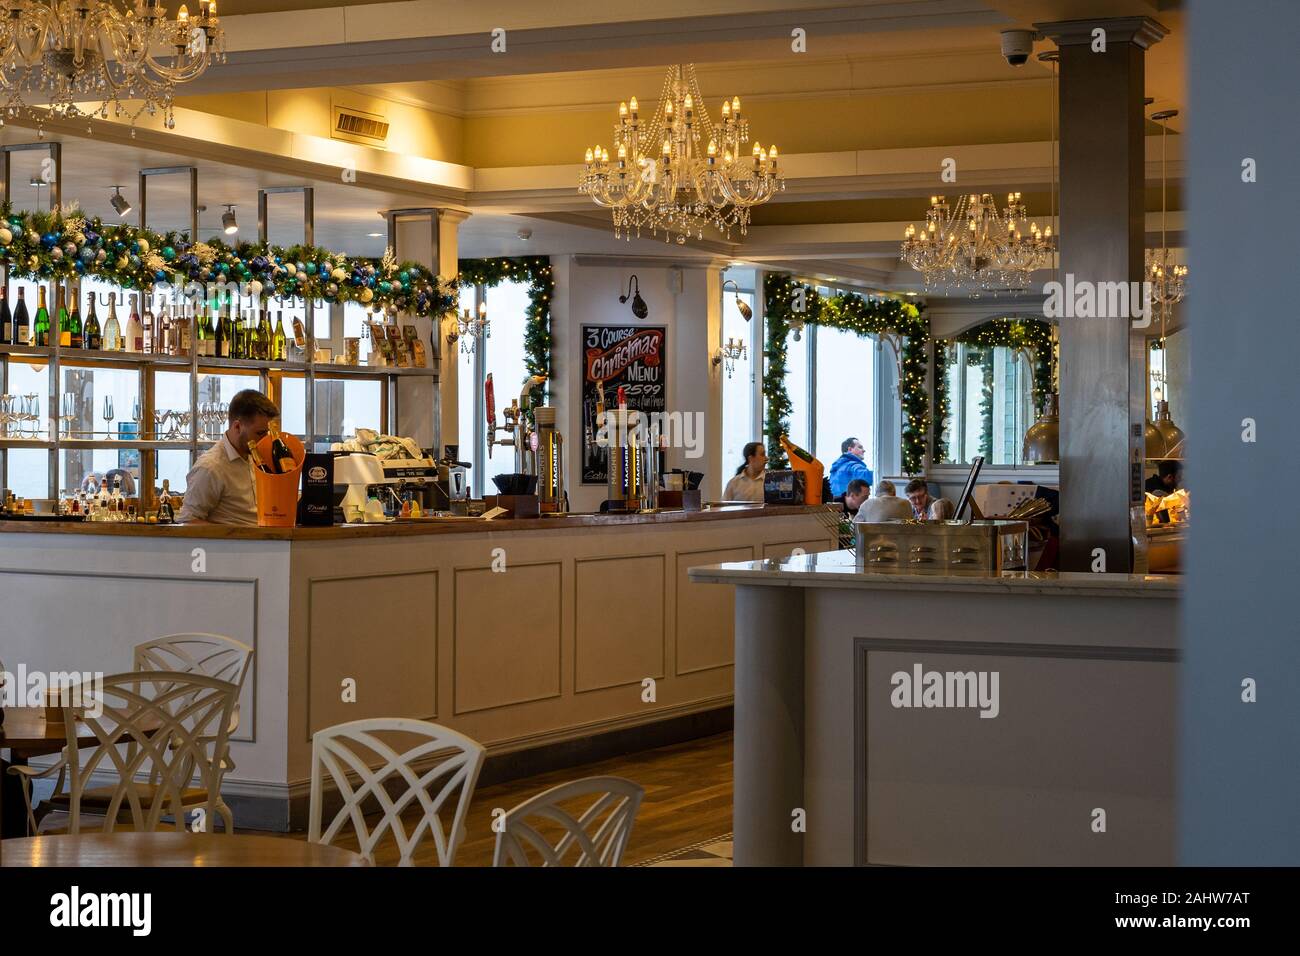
point(632, 356)
point(316, 506)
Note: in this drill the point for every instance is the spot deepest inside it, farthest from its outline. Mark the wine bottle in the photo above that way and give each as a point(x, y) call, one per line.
point(264, 336)
point(202, 339)
point(112, 330)
point(65, 327)
point(279, 344)
point(76, 331)
point(256, 459)
point(91, 338)
point(6, 319)
point(220, 344)
point(163, 342)
point(41, 327)
point(145, 338)
point(22, 321)
point(282, 460)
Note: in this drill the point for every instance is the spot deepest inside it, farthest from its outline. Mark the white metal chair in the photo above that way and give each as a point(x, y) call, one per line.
point(163, 725)
point(345, 752)
point(213, 655)
point(598, 834)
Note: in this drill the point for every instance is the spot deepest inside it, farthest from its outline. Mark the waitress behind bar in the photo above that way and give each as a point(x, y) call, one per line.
point(220, 486)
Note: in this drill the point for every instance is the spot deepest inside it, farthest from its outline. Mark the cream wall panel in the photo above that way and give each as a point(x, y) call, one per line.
point(494, 667)
point(619, 621)
point(705, 614)
point(382, 632)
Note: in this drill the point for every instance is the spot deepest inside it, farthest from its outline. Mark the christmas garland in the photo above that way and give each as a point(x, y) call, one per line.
point(62, 244)
point(536, 271)
point(852, 313)
point(939, 444)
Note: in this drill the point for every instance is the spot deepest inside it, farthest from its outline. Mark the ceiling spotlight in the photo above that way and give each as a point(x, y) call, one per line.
point(120, 204)
point(524, 234)
point(228, 221)
point(742, 306)
point(639, 308)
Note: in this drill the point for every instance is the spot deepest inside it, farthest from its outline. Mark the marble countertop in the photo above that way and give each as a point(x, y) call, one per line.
point(836, 569)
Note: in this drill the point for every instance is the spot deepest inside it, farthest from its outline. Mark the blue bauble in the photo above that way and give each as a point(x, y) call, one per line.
point(160, 275)
point(310, 268)
point(49, 240)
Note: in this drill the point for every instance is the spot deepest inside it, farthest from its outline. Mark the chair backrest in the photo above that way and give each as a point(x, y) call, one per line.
point(346, 752)
point(211, 654)
point(165, 724)
point(597, 835)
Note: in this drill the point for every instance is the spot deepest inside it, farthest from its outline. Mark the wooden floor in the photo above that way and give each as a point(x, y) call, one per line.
point(688, 799)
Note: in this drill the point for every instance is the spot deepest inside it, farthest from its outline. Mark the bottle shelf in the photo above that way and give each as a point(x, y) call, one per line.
point(81, 444)
point(73, 357)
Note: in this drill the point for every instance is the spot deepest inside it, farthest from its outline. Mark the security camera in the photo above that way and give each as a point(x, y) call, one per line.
point(1017, 45)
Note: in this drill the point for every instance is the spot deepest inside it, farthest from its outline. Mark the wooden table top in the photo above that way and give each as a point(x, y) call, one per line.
point(26, 731)
point(171, 849)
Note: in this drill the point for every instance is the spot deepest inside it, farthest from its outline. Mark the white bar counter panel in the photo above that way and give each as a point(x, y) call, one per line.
point(520, 634)
point(1073, 764)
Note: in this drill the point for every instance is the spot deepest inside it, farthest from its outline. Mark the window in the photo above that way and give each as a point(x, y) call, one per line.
point(845, 394)
point(798, 355)
point(990, 404)
point(738, 425)
point(499, 354)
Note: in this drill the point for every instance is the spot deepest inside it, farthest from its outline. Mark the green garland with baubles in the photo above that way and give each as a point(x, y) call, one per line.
point(938, 441)
point(852, 313)
point(536, 271)
point(64, 245)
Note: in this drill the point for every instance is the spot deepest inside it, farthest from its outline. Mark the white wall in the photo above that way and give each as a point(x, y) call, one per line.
point(587, 291)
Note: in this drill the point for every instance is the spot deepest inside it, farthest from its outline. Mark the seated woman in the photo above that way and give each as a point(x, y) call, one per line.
point(747, 485)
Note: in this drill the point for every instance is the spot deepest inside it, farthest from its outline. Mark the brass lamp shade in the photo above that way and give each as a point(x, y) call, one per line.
point(1156, 447)
point(1043, 439)
point(1172, 434)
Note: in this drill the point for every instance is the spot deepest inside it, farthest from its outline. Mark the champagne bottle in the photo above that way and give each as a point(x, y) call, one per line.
point(76, 331)
point(41, 328)
point(202, 339)
point(794, 450)
point(6, 319)
point(91, 336)
point(22, 321)
point(256, 459)
point(282, 460)
point(279, 344)
point(138, 336)
point(236, 334)
point(112, 330)
point(65, 326)
point(163, 341)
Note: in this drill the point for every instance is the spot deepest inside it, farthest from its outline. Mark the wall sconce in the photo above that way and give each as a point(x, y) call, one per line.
point(742, 306)
point(730, 354)
point(639, 308)
point(469, 330)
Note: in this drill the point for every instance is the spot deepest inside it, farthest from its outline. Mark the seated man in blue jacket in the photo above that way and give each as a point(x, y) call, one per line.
point(849, 466)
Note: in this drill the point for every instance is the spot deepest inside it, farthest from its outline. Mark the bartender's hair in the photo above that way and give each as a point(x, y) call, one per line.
point(916, 484)
point(249, 404)
point(750, 450)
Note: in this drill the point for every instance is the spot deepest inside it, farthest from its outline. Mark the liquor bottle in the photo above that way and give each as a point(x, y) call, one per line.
point(146, 338)
point(22, 321)
point(202, 341)
point(65, 327)
point(76, 330)
point(112, 330)
point(279, 344)
point(166, 514)
point(236, 333)
point(264, 336)
point(220, 344)
point(6, 320)
point(41, 327)
point(138, 338)
point(163, 343)
point(282, 460)
point(91, 337)
point(102, 499)
point(117, 502)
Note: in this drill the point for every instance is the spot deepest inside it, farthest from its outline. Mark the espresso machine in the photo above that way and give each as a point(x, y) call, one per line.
point(552, 498)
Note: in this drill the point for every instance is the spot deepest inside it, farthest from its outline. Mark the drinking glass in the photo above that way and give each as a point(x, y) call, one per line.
point(108, 416)
point(68, 408)
point(32, 414)
point(6, 414)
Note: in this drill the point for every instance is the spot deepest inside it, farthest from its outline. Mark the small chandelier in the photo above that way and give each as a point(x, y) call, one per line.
point(1168, 277)
point(57, 55)
point(678, 172)
point(729, 354)
point(974, 246)
point(469, 330)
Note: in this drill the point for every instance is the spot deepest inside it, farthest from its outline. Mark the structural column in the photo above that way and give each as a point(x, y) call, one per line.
point(1103, 398)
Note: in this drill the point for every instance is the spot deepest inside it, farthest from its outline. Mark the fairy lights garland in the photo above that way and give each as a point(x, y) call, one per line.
point(852, 313)
point(62, 244)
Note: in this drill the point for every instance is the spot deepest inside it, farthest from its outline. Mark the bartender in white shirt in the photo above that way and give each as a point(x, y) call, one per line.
point(747, 485)
point(220, 488)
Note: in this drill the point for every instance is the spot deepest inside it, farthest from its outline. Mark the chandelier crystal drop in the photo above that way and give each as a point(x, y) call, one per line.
point(677, 172)
point(85, 59)
point(973, 245)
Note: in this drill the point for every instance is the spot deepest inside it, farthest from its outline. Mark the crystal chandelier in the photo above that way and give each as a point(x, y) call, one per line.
point(678, 172)
point(75, 59)
point(973, 245)
point(728, 355)
point(1168, 278)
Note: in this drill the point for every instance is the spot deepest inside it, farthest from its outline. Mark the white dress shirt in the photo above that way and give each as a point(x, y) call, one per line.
point(220, 488)
point(744, 488)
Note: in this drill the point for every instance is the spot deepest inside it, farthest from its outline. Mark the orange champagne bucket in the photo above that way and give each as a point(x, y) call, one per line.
point(277, 495)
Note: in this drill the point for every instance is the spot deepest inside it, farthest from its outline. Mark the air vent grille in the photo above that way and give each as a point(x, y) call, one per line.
point(358, 127)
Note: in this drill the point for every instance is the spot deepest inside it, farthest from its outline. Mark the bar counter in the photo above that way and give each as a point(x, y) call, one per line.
point(1068, 760)
point(545, 639)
